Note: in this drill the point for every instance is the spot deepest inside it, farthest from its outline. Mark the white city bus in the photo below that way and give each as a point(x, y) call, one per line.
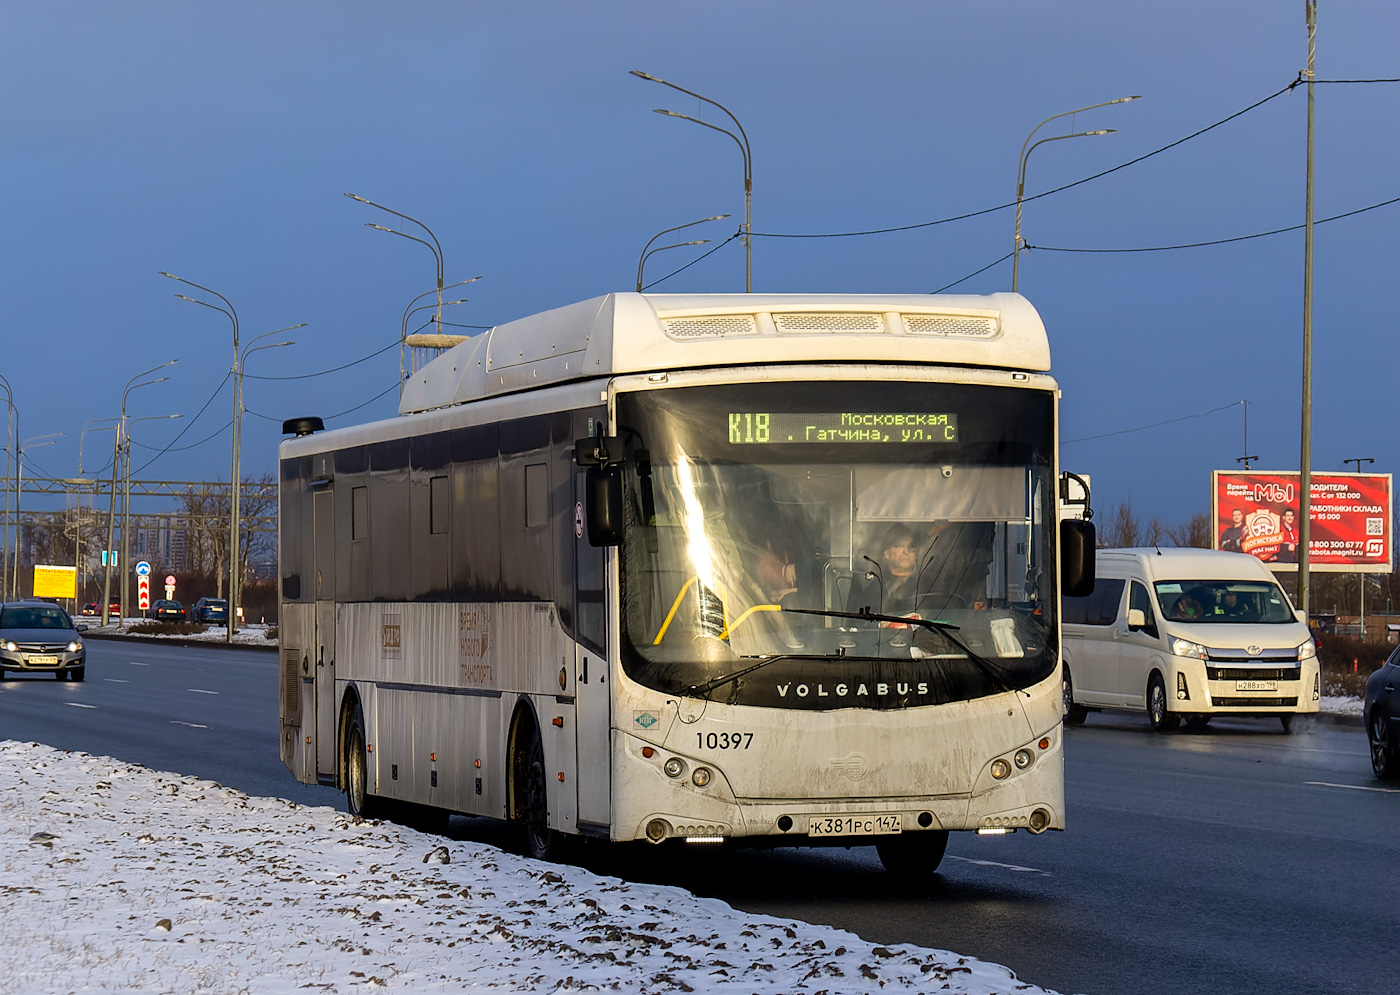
point(773, 570)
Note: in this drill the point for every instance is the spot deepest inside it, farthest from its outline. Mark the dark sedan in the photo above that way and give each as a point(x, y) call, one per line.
point(168, 611)
point(209, 610)
point(38, 637)
point(1382, 714)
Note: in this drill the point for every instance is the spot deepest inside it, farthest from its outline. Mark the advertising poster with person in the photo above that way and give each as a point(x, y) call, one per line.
point(1351, 515)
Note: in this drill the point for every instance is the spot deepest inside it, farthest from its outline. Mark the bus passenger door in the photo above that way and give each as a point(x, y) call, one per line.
point(591, 678)
point(323, 511)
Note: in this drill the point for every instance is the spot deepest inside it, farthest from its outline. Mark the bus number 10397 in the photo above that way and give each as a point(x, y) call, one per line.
point(723, 740)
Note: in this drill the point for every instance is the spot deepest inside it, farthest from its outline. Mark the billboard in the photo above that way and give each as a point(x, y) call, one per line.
point(1350, 513)
point(55, 582)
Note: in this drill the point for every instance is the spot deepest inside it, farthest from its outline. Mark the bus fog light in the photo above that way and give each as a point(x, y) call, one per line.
point(657, 830)
point(1022, 759)
point(701, 777)
point(994, 831)
point(1000, 769)
point(674, 767)
point(1039, 821)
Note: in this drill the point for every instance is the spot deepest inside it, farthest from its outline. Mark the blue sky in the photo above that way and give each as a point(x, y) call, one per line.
point(214, 141)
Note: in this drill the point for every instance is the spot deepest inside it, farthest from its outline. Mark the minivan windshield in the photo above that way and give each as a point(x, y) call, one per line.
point(1223, 601)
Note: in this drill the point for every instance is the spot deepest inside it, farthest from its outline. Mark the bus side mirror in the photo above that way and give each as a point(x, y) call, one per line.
point(604, 496)
point(1076, 558)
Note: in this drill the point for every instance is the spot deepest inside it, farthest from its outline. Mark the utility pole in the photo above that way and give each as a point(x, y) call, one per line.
point(1305, 454)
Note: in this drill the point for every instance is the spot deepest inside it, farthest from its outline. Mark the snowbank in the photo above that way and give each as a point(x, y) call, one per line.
point(117, 877)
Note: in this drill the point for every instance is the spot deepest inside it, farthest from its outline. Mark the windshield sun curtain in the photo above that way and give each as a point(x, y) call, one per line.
point(750, 507)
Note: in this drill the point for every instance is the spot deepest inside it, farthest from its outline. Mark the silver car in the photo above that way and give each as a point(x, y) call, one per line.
point(39, 637)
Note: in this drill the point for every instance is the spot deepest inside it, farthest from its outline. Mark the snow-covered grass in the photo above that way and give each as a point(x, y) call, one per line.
point(248, 634)
point(119, 878)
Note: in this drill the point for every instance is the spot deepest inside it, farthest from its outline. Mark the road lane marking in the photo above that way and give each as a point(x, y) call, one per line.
point(115, 680)
point(78, 704)
point(200, 691)
point(177, 722)
point(135, 664)
point(993, 863)
point(1329, 784)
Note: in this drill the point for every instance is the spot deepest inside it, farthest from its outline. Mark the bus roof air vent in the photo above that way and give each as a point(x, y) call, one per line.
point(710, 326)
point(961, 326)
point(806, 322)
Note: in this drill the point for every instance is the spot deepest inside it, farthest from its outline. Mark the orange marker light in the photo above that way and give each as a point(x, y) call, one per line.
point(478, 765)
point(432, 757)
point(559, 721)
point(648, 752)
point(1045, 743)
point(369, 747)
point(561, 777)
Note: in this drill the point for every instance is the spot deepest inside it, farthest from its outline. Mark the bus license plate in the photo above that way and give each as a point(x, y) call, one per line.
point(1256, 685)
point(43, 661)
point(855, 825)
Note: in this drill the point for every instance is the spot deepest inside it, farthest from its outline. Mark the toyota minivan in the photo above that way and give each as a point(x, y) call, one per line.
point(1184, 635)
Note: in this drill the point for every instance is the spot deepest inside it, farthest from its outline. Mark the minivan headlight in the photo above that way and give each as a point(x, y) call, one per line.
point(1307, 650)
point(1184, 647)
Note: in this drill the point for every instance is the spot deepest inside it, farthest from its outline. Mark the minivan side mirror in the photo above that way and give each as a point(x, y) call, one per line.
point(1137, 619)
point(1300, 615)
point(1076, 557)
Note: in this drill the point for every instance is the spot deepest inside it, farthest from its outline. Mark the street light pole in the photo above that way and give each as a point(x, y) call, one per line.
point(642, 261)
point(1305, 447)
point(743, 141)
point(11, 434)
point(112, 498)
point(19, 490)
point(1027, 148)
point(235, 584)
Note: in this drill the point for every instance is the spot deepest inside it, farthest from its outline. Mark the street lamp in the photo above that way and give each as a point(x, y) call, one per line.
point(1358, 460)
point(19, 490)
point(1027, 148)
point(410, 309)
point(126, 507)
point(642, 261)
point(235, 581)
point(112, 497)
point(742, 139)
point(435, 247)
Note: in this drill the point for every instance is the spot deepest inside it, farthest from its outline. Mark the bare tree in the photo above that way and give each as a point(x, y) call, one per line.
point(1156, 531)
point(1194, 532)
point(1122, 528)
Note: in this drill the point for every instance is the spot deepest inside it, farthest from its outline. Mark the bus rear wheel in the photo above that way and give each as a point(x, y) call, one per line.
point(357, 797)
point(913, 856)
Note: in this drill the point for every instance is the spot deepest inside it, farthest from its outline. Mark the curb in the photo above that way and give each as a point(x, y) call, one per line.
point(113, 637)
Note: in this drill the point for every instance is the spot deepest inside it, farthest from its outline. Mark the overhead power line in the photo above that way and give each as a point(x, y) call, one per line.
point(694, 261)
point(1143, 428)
point(189, 425)
point(334, 369)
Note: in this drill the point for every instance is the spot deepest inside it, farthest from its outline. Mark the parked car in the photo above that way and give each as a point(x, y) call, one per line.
point(1381, 710)
point(168, 611)
point(38, 637)
point(209, 610)
point(90, 608)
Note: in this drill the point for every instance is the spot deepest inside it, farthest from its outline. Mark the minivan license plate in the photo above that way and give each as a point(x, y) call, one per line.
point(1256, 685)
point(855, 825)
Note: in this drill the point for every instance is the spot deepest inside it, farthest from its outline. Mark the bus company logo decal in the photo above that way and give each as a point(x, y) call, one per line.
point(473, 633)
point(854, 766)
point(855, 689)
point(391, 636)
point(646, 719)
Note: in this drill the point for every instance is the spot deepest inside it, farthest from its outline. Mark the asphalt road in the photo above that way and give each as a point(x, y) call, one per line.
point(1230, 860)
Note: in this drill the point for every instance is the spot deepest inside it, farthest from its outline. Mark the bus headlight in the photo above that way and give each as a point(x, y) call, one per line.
point(701, 777)
point(674, 767)
point(1022, 759)
point(1000, 769)
point(1184, 647)
point(1307, 650)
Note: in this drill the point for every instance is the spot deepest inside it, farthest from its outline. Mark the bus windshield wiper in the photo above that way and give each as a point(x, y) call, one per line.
point(945, 629)
point(699, 690)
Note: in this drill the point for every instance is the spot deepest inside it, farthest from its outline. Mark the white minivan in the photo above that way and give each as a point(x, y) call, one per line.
point(1185, 634)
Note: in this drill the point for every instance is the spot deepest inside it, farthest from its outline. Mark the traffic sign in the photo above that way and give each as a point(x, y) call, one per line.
point(143, 568)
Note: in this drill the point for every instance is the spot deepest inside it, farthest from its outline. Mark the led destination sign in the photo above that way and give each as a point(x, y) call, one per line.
point(908, 427)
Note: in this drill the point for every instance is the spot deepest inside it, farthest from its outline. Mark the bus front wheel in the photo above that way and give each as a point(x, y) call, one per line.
point(913, 855)
point(541, 842)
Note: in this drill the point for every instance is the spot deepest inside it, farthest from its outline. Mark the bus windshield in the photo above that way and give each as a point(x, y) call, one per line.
point(751, 508)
